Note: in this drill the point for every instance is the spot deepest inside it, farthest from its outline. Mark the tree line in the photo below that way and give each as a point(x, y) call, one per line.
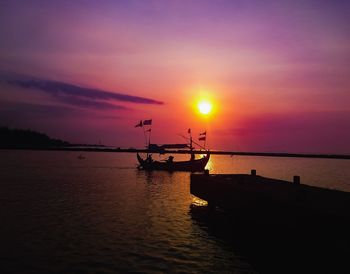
point(27, 138)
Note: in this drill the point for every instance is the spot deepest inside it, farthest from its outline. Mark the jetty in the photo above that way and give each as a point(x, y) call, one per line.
point(280, 226)
point(268, 199)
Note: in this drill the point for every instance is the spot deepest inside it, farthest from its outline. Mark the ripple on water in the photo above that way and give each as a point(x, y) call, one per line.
point(79, 217)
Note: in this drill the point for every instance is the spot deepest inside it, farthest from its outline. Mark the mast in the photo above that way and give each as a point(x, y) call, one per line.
point(144, 134)
point(149, 130)
point(149, 136)
point(142, 124)
point(191, 147)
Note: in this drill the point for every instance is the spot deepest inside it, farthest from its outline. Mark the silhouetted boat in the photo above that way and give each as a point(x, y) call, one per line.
point(170, 165)
point(191, 165)
point(81, 157)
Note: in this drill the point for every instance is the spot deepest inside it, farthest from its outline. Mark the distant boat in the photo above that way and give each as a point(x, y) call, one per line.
point(81, 157)
point(169, 165)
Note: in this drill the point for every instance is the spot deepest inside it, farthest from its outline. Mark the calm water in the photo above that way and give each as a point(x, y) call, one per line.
point(61, 214)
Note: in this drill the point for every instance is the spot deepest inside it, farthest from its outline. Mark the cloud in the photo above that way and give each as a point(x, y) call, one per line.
point(66, 92)
point(81, 102)
point(24, 114)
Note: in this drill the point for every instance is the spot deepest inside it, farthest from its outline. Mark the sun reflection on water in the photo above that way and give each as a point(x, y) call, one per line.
point(198, 202)
point(209, 165)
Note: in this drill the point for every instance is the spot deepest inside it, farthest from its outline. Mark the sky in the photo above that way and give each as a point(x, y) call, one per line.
point(276, 72)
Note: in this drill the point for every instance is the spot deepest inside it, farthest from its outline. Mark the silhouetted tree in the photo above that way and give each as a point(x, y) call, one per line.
point(20, 138)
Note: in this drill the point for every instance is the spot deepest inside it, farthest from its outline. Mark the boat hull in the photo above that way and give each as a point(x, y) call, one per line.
point(192, 166)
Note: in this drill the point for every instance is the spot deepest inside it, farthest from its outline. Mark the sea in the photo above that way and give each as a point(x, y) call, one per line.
point(100, 214)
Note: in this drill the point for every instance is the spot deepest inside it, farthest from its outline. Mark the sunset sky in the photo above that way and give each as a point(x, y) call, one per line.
point(276, 72)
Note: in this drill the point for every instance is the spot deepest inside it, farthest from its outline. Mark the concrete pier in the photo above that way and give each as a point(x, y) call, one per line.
point(280, 226)
point(262, 198)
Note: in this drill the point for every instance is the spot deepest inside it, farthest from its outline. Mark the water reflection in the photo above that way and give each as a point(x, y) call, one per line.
point(170, 231)
point(210, 165)
point(197, 202)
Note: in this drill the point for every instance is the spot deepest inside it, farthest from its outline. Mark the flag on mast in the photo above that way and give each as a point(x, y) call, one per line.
point(147, 122)
point(139, 124)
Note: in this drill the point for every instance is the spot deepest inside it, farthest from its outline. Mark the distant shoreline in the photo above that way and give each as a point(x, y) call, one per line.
point(21, 139)
point(212, 152)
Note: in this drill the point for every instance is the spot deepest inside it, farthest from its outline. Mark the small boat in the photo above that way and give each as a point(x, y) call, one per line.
point(169, 165)
point(81, 157)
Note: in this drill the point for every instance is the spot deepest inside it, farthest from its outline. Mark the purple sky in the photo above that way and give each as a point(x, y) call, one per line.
point(87, 71)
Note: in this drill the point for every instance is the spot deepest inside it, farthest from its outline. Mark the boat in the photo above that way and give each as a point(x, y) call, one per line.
point(192, 165)
point(81, 157)
point(170, 165)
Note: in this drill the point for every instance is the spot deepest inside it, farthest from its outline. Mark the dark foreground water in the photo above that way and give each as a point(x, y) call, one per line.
point(60, 214)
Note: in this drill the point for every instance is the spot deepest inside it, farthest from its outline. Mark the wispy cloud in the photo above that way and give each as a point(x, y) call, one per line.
point(82, 96)
point(87, 103)
point(14, 112)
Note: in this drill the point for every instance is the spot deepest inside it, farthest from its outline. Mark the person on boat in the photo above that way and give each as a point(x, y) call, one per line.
point(149, 159)
point(193, 157)
point(170, 159)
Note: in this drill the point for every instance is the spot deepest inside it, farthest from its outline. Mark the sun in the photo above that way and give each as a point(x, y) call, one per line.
point(204, 107)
